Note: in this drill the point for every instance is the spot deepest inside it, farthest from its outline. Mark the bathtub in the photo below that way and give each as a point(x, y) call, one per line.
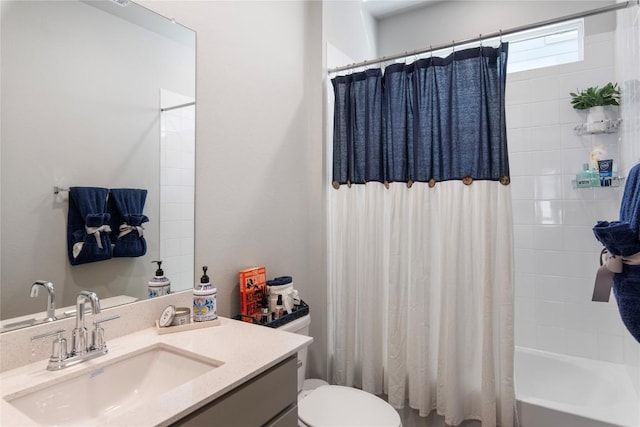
point(554, 390)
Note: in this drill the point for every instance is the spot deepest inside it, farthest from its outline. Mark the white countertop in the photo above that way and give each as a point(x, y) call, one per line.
point(246, 350)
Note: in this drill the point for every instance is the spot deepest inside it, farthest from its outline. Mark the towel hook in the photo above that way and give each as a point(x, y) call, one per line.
point(500, 35)
point(58, 190)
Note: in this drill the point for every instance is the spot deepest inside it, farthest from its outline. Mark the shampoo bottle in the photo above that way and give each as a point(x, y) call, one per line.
point(204, 299)
point(159, 285)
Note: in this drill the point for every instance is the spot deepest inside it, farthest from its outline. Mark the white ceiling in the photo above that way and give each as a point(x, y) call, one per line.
point(384, 8)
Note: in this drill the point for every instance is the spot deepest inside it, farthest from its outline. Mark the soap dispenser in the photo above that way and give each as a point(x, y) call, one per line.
point(204, 299)
point(159, 285)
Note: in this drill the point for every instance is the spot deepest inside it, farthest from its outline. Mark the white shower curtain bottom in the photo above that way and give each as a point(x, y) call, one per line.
point(421, 296)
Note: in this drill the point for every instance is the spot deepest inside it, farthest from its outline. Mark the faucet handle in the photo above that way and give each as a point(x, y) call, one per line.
point(97, 336)
point(58, 347)
point(47, 334)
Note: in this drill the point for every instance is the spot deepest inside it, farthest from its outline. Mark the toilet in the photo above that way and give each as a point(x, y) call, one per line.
point(321, 404)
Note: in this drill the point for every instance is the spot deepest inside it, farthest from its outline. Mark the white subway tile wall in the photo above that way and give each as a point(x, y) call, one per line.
point(177, 189)
point(556, 254)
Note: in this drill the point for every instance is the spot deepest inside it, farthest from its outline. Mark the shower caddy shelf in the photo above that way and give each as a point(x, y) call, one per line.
point(599, 128)
point(616, 181)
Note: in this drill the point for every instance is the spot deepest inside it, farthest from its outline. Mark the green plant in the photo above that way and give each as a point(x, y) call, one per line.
point(595, 96)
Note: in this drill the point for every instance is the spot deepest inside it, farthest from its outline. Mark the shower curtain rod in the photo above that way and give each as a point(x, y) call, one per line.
point(481, 37)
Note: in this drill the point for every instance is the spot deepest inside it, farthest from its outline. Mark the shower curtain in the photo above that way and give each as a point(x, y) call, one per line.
point(420, 248)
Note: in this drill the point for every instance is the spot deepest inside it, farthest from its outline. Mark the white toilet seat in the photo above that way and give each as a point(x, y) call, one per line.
point(308, 386)
point(333, 406)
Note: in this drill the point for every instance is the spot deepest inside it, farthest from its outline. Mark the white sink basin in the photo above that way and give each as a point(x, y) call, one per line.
point(112, 387)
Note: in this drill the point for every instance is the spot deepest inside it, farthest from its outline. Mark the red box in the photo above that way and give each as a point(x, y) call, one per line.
point(253, 287)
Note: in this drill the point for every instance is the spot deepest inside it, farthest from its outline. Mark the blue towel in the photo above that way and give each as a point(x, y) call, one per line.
point(126, 206)
point(87, 225)
point(622, 238)
point(626, 289)
point(630, 206)
point(618, 237)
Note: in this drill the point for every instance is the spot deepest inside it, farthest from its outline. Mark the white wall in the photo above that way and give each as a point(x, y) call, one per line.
point(445, 21)
point(259, 197)
point(349, 27)
point(73, 118)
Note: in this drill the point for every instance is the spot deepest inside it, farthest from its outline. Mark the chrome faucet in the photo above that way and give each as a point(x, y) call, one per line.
point(81, 350)
point(80, 335)
point(51, 297)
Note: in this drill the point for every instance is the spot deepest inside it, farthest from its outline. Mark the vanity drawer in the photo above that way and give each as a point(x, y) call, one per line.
point(267, 400)
point(288, 418)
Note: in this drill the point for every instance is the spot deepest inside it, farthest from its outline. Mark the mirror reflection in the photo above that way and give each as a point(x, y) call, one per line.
point(94, 94)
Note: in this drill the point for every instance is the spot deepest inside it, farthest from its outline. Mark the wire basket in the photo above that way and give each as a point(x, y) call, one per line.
point(303, 310)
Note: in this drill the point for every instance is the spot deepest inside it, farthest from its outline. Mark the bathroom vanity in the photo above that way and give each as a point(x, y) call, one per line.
point(268, 400)
point(234, 373)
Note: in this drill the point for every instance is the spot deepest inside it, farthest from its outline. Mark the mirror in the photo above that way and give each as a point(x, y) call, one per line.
point(95, 93)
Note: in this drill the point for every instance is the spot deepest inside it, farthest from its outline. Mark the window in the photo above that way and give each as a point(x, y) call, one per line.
point(546, 46)
point(541, 47)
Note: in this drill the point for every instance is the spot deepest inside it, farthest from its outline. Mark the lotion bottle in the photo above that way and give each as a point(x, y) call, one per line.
point(204, 299)
point(159, 285)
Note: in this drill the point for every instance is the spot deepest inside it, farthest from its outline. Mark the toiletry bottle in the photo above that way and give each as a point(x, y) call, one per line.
point(595, 178)
point(204, 299)
point(264, 310)
point(264, 318)
point(159, 285)
point(583, 178)
point(278, 313)
point(605, 168)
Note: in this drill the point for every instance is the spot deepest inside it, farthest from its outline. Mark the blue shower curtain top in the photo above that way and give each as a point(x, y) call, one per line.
point(436, 119)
